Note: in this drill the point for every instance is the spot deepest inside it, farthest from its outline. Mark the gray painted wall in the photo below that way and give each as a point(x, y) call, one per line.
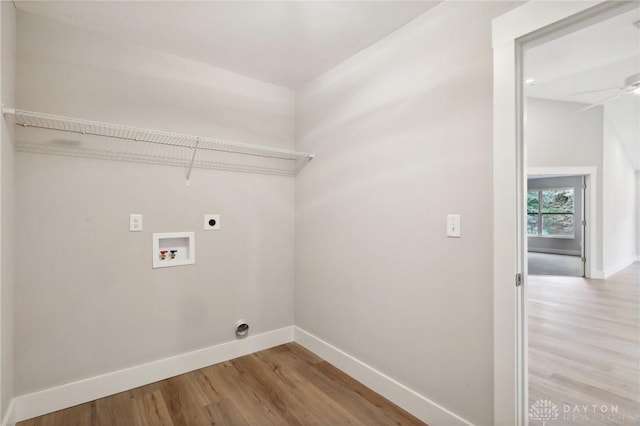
point(619, 178)
point(572, 246)
point(7, 212)
point(398, 129)
point(87, 300)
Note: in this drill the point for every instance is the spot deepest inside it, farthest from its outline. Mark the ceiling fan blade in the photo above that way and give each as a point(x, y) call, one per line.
point(604, 101)
point(586, 92)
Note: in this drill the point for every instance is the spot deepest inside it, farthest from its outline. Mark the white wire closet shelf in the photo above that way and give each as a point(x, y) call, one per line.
point(126, 143)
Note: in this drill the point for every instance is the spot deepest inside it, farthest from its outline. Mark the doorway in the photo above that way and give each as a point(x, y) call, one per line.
point(531, 24)
point(577, 347)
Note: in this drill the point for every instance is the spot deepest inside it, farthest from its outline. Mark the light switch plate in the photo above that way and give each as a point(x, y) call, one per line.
point(211, 222)
point(135, 223)
point(453, 225)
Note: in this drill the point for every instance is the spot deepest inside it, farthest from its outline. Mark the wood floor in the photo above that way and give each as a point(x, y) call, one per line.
point(584, 348)
point(285, 385)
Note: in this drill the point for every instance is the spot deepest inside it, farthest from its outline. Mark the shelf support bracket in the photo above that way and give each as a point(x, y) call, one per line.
point(193, 157)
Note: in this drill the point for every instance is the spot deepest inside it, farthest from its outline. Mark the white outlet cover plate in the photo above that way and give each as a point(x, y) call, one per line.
point(135, 223)
point(207, 218)
point(453, 225)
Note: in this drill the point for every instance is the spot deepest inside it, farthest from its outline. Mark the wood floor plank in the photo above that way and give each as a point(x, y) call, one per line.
point(150, 410)
point(584, 347)
point(285, 385)
point(304, 401)
point(354, 390)
point(184, 402)
point(274, 394)
point(118, 407)
point(226, 412)
point(236, 388)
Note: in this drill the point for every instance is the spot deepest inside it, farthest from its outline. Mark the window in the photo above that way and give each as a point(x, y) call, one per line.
point(550, 212)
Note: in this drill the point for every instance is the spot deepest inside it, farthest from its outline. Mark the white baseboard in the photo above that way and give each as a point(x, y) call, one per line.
point(619, 266)
point(68, 395)
point(597, 275)
point(49, 400)
point(9, 416)
point(416, 404)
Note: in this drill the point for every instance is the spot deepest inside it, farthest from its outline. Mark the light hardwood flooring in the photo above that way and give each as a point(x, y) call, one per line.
point(584, 348)
point(285, 385)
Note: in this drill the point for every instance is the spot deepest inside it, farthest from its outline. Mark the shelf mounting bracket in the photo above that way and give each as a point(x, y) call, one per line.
point(193, 157)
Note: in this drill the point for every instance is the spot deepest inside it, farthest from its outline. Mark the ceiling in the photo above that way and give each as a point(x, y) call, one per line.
point(600, 56)
point(287, 43)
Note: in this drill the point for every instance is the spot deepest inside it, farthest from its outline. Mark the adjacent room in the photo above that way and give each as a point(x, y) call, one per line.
point(583, 151)
point(284, 212)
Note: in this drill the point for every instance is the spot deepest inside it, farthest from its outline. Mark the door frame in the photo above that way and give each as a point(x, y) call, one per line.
point(590, 202)
point(534, 22)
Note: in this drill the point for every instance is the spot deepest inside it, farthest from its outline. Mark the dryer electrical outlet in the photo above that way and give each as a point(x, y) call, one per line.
point(211, 222)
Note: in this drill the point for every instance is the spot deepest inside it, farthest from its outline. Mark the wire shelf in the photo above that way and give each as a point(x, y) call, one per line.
point(113, 142)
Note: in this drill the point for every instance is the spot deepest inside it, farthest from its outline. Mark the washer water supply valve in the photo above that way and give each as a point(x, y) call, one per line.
point(173, 249)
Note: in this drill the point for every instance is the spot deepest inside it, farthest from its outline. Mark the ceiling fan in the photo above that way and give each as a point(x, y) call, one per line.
point(631, 85)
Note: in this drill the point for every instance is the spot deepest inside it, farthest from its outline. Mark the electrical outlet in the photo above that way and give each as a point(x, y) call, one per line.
point(211, 222)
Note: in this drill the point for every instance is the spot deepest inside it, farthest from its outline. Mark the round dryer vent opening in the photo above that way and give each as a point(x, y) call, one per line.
point(242, 328)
